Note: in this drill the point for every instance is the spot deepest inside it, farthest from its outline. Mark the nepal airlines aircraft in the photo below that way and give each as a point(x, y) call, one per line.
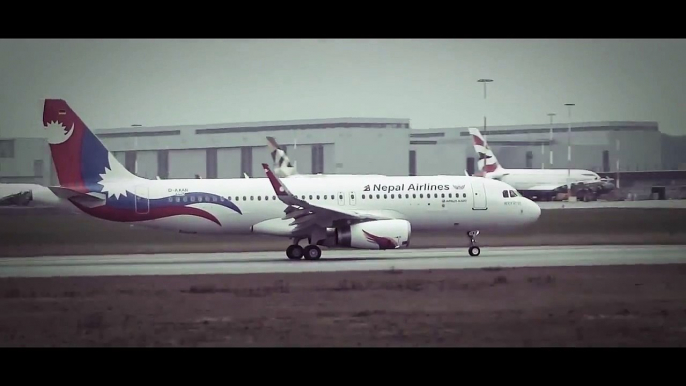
point(541, 183)
point(365, 212)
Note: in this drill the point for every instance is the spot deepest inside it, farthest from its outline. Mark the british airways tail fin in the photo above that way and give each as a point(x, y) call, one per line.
point(82, 162)
point(282, 164)
point(487, 163)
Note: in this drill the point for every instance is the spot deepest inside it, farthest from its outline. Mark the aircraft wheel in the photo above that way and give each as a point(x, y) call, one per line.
point(312, 252)
point(474, 251)
point(294, 252)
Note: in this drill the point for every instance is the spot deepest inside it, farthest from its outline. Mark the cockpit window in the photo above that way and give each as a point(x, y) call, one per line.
point(505, 193)
point(512, 193)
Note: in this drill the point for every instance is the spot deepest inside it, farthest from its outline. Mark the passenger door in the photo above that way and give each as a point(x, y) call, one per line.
point(479, 201)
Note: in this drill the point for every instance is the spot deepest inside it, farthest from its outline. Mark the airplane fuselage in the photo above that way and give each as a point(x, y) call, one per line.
point(234, 206)
point(544, 182)
point(526, 178)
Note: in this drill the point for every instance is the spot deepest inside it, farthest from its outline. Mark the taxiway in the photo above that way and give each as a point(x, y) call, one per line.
point(338, 260)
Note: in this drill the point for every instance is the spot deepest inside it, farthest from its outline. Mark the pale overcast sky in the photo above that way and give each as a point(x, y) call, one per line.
point(115, 83)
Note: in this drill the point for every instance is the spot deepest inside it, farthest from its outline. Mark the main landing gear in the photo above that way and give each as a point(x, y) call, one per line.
point(310, 252)
point(474, 250)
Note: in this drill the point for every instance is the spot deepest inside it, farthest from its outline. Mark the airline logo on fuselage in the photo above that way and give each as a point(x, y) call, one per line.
point(401, 187)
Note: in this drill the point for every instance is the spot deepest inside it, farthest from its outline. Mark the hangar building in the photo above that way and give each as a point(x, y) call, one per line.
point(352, 146)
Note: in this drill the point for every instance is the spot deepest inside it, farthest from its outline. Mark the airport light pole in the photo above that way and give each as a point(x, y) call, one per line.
point(617, 163)
point(550, 144)
point(485, 81)
point(569, 150)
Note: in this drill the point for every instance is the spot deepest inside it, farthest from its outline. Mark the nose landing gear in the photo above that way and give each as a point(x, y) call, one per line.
point(474, 250)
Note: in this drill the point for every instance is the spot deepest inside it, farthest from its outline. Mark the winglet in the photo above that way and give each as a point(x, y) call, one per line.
point(280, 189)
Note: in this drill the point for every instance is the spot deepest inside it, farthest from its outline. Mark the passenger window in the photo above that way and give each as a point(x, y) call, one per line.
point(407, 195)
point(414, 196)
point(378, 196)
point(317, 197)
point(363, 196)
point(435, 195)
point(421, 195)
point(244, 198)
point(192, 198)
point(259, 198)
point(325, 197)
point(352, 196)
point(310, 196)
point(340, 197)
point(392, 195)
point(185, 199)
point(450, 195)
point(464, 195)
point(274, 198)
point(178, 199)
point(442, 195)
point(171, 199)
point(385, 196)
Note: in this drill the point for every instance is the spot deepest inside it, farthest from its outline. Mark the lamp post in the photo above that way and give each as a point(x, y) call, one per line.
point(550, 144)
point(617, 163)
point(485, 81)
point(569, 150)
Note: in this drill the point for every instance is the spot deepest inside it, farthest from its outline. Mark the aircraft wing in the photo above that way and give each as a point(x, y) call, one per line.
point(306, 214)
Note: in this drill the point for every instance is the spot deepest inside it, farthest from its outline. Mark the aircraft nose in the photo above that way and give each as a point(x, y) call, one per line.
point(532, 211)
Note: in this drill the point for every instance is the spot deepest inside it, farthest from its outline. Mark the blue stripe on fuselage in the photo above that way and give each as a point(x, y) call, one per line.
point(129, 201)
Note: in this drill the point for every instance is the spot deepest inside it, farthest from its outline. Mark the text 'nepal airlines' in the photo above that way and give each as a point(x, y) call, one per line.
point(539, 183)
point(374, 212)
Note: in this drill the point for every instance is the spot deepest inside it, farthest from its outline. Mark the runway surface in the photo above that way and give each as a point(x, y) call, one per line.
point(338, 260)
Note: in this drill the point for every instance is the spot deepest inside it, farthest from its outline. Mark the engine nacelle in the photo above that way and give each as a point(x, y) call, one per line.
point(380, 234)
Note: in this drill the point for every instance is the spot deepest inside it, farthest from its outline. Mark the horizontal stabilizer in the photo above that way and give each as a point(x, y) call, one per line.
point(67, 193)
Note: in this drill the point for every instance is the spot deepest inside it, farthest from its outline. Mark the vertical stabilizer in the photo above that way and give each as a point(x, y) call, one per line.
point(282, 164)
point(82, 162)
point(488, 163)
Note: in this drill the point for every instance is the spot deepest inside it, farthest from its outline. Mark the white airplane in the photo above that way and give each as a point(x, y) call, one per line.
point(374, 212)
point(535, 183)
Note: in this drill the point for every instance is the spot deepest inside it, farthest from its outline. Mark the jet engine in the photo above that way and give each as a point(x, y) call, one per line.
point(380, 234)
